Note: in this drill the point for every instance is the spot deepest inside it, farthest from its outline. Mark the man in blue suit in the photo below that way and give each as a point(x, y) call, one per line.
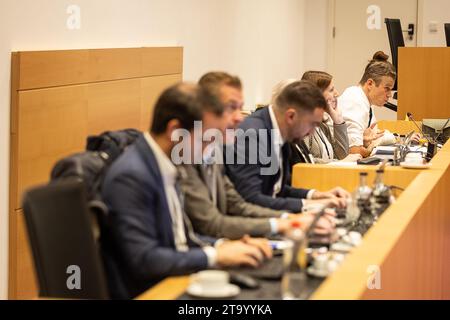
point(149, 235)
point(258, 162)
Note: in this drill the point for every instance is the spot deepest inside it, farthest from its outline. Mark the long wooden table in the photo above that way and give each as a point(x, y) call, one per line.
point(409, 245)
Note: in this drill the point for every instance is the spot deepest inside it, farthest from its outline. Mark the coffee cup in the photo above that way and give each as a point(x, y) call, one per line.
point(211, 280)
point(414, 158)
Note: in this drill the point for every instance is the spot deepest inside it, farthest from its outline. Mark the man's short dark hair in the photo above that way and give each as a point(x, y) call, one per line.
point(302, 95)
point(211, 83)
point(182, 102)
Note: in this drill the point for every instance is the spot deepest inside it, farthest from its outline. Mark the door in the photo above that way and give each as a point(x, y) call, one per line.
point(358, 31)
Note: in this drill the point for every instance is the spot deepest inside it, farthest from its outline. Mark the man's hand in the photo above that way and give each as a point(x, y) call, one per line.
point(336, 192)
point(416, 137)
point(371, 134)
point(325, 225)
point(261, 243)
point(333, 202)
point(237, 253)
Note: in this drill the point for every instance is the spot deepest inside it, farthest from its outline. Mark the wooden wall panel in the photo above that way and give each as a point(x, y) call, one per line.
point(399, 127)
point(113, 105)
point(423, 82)
point(26, 277)
point(42, 69)
point(58, 98)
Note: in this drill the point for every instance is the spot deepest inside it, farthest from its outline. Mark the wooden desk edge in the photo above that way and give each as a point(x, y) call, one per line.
point(168, 289)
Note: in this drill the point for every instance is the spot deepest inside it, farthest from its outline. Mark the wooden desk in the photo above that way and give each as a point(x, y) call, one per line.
point(168, 289)
point(410, 243)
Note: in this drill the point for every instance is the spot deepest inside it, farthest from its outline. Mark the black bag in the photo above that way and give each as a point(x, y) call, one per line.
point(112, 143)
point(90, 166)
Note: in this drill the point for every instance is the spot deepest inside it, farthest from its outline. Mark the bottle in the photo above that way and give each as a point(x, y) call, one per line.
point(381, 196)
point(294, 281)
point(362, 197)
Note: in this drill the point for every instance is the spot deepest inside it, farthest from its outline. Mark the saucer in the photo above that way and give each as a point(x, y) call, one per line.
point(317, 273)
point(227, 291)
point(409, 165)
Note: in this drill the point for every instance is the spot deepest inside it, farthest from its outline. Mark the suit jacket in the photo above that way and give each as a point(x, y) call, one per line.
point(231, 217)
point(254, 186)
point(139, 248)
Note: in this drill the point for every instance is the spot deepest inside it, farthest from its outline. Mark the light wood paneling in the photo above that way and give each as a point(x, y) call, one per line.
point(42, 69)
point(58, 98)
point(399, 127)
point(25, 277)
point(423, 82)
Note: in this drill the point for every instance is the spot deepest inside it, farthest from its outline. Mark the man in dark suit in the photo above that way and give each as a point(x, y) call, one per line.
point(211, 200)
point(258, 164)
point(150, 236)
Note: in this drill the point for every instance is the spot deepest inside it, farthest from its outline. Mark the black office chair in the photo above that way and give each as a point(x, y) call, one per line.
point(447, 33)
point(62, 242)
point(396, 40)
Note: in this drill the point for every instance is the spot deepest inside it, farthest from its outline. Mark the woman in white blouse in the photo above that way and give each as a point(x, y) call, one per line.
point(374, 89)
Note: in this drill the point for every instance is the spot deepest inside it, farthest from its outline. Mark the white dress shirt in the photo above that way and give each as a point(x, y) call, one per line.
point(355, 108)
point(169, 175)
point(278, 142)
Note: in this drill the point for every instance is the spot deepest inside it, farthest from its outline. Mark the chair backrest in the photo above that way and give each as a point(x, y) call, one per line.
point(66, 257)
point(447, 33)
point(396, 40)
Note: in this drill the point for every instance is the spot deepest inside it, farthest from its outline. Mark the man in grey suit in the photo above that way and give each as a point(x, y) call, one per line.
point(211, 201)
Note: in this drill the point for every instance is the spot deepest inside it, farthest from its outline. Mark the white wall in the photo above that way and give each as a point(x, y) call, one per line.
point(316, 30)
point(437, 11)
point(262, 41)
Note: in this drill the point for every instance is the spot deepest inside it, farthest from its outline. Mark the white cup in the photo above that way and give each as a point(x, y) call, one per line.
point(414, 158)
point(211, 280)
point(321, 262)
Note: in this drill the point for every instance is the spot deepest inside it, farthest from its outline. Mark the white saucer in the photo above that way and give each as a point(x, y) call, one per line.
point(408, 165)
point(316, 273)
point(228, 291)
